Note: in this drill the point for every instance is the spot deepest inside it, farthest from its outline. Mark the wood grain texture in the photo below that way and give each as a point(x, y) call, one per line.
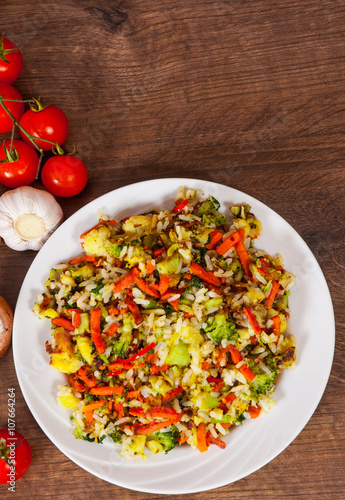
point(246, 93)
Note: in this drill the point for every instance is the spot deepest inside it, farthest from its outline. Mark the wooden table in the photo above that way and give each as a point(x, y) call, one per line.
point(246, 93)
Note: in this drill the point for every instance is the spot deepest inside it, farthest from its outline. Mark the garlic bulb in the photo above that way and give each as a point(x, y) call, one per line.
point(28, 216)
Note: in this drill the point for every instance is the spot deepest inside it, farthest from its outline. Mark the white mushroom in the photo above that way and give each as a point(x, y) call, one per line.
point(28, 216)
point(6, 322)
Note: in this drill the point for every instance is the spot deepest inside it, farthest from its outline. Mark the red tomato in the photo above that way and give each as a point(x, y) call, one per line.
point(16, 108)
point(64, 175)
point(11, 61)
point(48, 123)
point(22, 164)
point(15, 448)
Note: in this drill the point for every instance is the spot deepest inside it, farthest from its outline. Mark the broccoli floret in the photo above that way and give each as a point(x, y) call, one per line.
point(264, 383)
point(220, 329)
point(116, 436)
point(167, 439)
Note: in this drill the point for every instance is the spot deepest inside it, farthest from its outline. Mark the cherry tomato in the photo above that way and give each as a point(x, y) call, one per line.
point(64, 175)
point(15, 452)
point(16, 108)
point(20, 166)
point(11, 61)
point(48, 123)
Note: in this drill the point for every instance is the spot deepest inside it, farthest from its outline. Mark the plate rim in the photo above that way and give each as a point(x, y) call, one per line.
point(188, 182)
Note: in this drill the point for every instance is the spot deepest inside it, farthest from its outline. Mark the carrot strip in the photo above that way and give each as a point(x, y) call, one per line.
point(76, 384)
point(243, 254)
point(132, 394)
point(201, 437)
point(252, 320)
point(163, 412)
point(76, 319)
point(155, 426)
point(216, 237)
point(112, 330)
point(119, 409)
point(254, 411)
point(94, 405)
point(86, 375)
point(126, 281)
point(65, 323)
point(204, 275)
point(154, 370)
point(272, 295)
point(107, 390)
point(216, 441)
point(83, 258)
point(137, 412)
point(228, 243)
point(134, 310)
point(95, 328)
point(247, 373)
point(150, 267)
point(144, 287)
point(113, 311)
point(89, 416)
point(117, 365)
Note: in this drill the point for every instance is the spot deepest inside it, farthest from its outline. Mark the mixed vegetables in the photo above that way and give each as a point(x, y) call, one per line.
point(171, 327)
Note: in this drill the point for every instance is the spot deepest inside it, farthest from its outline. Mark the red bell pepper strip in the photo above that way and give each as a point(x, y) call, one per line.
point(172, 394)
point(132, 306)
point(228, 243)
point(214, 380)
point(235, 354)
point(126, 281)
point(107, 390)
point(180, 206)
point(83, 258)
point(95, 328)
point(216, 236)
point(65, 323)
point(247, 373)
point(158, 252)
point(141, 352)
point(272, 295)
point(204, 275)
point(144, 287)
point(229, 399)
point(252, 320)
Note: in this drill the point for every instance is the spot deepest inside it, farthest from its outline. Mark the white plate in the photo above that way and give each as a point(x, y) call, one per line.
point(249, 447)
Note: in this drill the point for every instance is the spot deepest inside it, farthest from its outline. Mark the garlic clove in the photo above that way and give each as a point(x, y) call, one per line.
point(28, 216)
